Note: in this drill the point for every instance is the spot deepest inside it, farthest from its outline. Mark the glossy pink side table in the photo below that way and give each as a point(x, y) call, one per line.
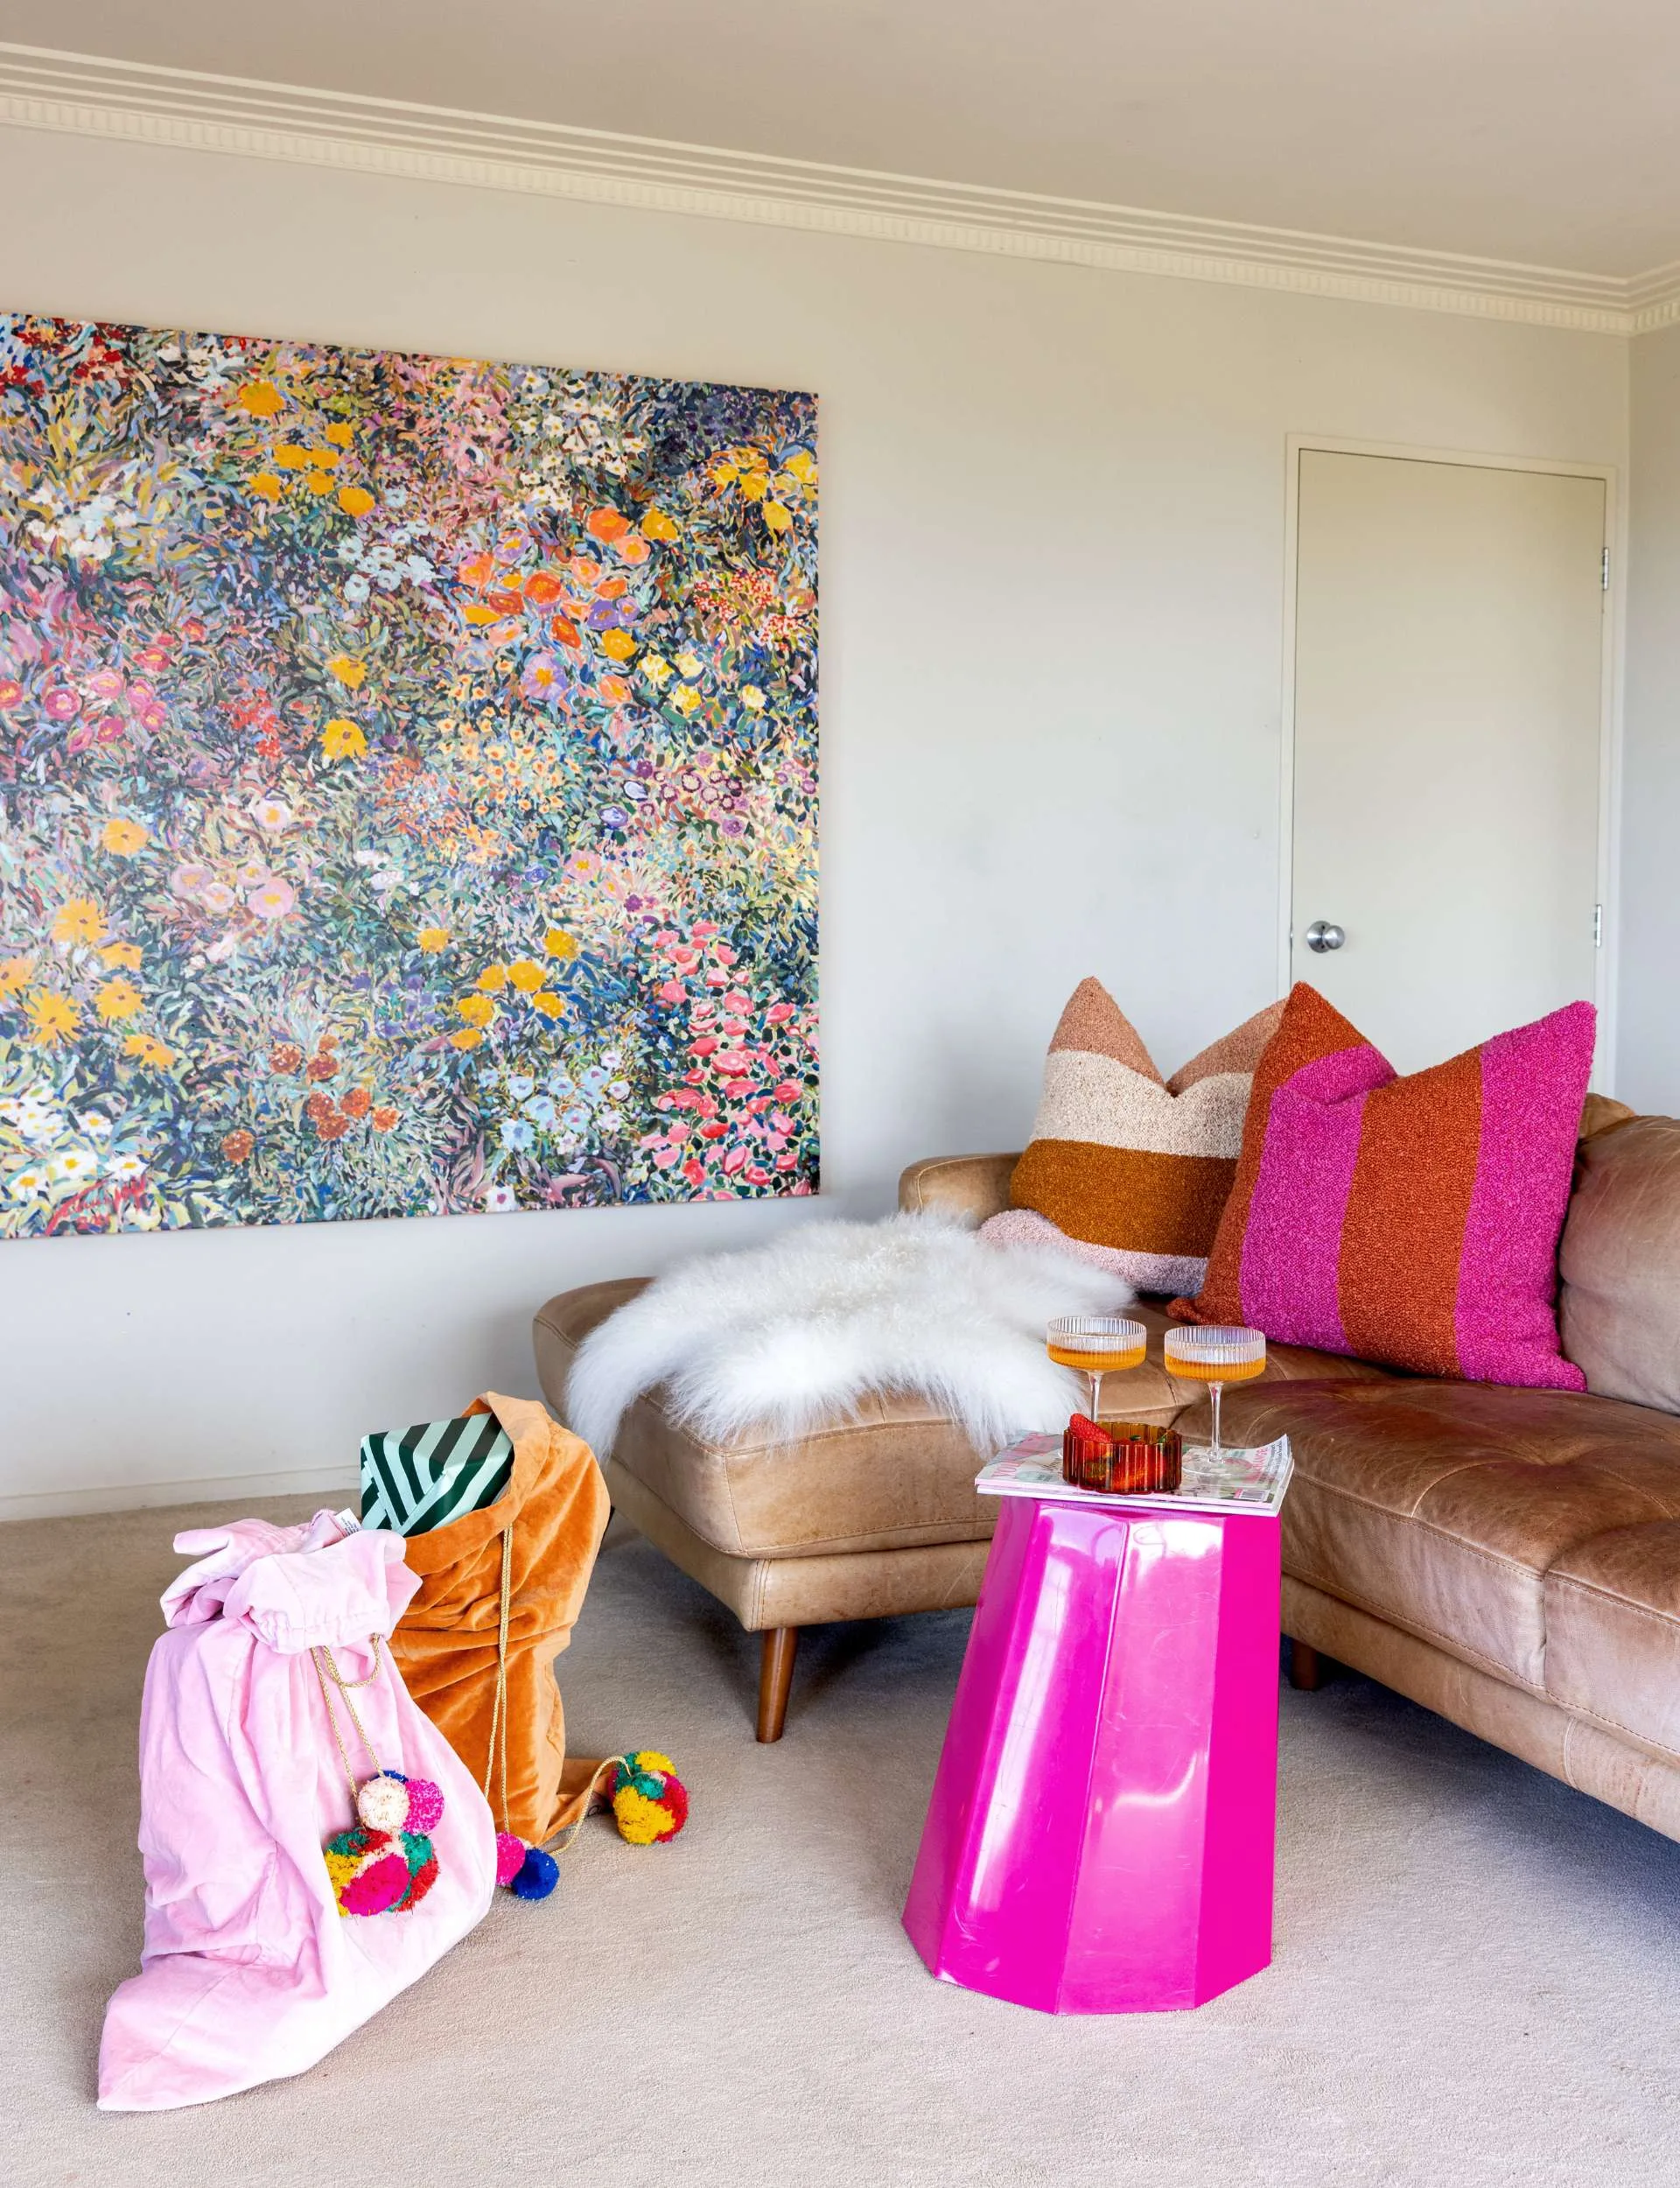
point(1100, 1838)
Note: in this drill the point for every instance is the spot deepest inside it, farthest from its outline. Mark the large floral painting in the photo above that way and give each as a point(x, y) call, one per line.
point(409, 782)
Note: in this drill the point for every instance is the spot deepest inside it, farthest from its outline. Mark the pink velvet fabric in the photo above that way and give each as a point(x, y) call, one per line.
point(249, 1971)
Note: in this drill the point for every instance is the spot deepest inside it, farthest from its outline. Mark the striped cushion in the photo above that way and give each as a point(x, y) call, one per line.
point(1134, 1169)
point(1412, 1220)
point(414, 1479)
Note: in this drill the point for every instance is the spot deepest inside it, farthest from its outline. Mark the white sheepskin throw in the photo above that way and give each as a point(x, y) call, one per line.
point(788, 1337)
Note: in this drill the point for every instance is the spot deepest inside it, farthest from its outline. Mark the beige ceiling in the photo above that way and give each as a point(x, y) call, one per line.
point(1539, 130)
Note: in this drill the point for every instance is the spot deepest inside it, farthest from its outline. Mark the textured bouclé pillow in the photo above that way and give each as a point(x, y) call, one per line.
point(1409, 1221)
point(1123, 1170)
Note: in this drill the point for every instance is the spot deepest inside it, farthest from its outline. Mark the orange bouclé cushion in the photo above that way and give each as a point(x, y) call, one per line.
point(1122, 1164)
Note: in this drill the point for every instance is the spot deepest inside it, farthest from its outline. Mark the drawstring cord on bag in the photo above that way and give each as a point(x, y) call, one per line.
point(559, 1843)
point(319, 1655)
point(385, 1862)
point(496, 1760)
point(499, 1714)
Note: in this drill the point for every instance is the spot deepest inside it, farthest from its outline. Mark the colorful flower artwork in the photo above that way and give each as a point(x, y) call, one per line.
point(408, 790)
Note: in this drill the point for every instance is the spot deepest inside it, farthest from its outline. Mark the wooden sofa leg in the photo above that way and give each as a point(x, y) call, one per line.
point(775, 1677)
point(1308, 1671)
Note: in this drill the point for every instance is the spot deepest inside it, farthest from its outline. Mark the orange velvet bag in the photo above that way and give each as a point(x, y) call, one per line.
point(536, 1546)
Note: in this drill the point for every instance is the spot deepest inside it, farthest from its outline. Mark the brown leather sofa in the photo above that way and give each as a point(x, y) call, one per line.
point(1510, 1558)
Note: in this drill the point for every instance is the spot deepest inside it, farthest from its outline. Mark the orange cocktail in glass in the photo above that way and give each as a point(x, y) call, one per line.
point(1215, 1355)
point(1095, 1344)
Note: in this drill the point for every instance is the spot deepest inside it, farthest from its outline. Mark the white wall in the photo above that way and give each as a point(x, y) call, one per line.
point(1052, 512)
point(1648, 1064)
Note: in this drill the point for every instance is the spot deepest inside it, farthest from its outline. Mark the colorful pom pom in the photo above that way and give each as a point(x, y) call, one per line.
point(379, 1872)
point(340, 1868)
point(382, 1803)
point(650, 1801)
point(526, 1870)
point(538, 1875)
point(425, 1806)
point(392, 1802)
point(377, 1887)
point(420, 1880)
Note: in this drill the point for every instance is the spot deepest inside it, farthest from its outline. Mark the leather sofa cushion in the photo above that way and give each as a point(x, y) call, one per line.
point(898, 1477)
point(973, 1188)
point(1466, 1513)
point(1620, 1311)
point(1612, 1631)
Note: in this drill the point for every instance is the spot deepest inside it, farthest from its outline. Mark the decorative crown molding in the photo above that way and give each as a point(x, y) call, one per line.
point(83, 95)
point(1654, 298)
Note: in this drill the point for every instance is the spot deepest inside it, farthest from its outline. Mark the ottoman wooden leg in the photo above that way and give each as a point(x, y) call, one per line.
point(1308, 1671)
point(775, 1676)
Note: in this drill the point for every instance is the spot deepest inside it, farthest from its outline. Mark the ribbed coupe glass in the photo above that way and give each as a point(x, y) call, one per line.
point(1095, 1344)
point(1215, 1355)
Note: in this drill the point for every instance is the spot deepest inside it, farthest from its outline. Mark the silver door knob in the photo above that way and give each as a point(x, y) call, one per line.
point(1324, 934)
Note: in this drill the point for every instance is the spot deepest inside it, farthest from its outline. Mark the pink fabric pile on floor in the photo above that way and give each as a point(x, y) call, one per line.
point(249, 1971)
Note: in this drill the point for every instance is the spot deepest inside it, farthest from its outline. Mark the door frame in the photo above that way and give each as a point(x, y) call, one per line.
point(1609, 832)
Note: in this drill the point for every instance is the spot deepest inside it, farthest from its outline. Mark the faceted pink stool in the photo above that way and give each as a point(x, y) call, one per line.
point(1100, 1836)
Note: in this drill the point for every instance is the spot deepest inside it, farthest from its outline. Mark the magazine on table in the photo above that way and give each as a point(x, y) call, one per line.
point(1251, 1480)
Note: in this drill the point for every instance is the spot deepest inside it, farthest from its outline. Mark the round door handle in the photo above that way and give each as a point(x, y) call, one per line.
point(1324, 934)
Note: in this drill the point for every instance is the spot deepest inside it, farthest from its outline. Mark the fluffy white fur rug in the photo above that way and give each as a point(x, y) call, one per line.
point(789, 1336)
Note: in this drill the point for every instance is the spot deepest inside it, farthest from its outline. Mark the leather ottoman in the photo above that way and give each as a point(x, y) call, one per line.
point(867, 1519)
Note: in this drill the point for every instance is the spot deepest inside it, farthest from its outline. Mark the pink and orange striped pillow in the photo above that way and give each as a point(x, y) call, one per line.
point(1125, 1168)
point(1411, 1221)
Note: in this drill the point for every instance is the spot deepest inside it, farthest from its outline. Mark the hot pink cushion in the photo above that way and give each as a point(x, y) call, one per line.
point(1411, 1221)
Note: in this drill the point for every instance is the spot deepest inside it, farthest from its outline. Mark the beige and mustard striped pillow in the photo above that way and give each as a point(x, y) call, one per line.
point(1130, 1170)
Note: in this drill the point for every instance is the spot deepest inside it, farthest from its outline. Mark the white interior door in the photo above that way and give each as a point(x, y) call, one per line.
point(1448, 723)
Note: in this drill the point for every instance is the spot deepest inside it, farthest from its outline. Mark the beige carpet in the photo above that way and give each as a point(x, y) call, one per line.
point(1477, 1977)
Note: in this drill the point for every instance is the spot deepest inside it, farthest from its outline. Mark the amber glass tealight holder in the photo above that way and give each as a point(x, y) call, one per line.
point(1122, 1458)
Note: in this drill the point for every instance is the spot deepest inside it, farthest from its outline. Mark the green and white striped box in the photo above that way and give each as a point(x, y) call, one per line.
point(415, 1479)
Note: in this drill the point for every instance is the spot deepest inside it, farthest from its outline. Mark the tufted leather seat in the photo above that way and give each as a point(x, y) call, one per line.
point(1512, 1558)
point(1533, 1533)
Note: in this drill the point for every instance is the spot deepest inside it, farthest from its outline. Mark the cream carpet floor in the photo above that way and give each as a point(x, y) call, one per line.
point(1476, 1980)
